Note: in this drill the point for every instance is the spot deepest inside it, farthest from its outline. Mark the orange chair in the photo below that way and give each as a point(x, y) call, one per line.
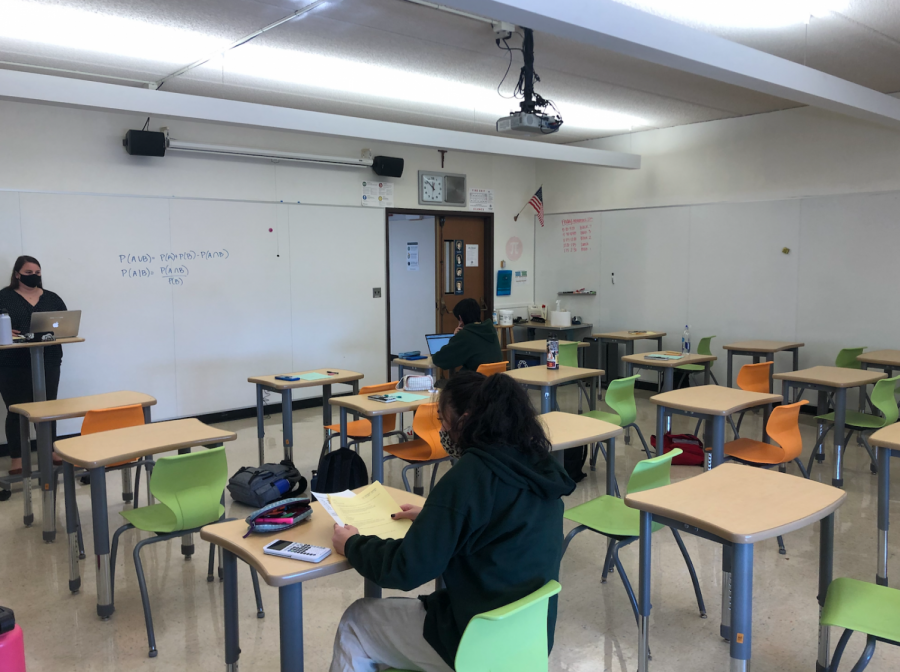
point(105, 419)
point(361, 430)
point(423, 451)
point(752, 378)
point(491, 369)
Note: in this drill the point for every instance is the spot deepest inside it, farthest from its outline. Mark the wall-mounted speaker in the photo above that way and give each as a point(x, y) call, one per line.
point(145, 143)
point(387, 166)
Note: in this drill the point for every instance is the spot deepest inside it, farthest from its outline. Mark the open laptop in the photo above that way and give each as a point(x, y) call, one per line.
point(437, 341)
point(63, 324)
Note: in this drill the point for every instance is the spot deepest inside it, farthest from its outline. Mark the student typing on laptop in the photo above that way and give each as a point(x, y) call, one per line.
point(474, 342)
point(25, 295)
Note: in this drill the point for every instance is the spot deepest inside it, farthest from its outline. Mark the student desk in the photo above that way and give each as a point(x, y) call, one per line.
point(887, 444)
point(536, 348)
point(737, 506)
point(42, 413)
point(665, 368)
point(285, 574)
point(533, 327)
point(757, 349)
point(425, 365)
point(547, 380)
point(375, 412)
point(712, 403)
point(39, 393)
point(567, 430)
point(284, 388)
point(95, 452)
point(886, 360)
point(628, 338)
point(825, 380)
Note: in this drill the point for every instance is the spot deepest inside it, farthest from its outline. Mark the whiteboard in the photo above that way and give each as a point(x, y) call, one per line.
point(184, 299)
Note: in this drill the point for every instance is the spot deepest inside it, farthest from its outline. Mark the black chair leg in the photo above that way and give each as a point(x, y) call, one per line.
point(866, 656)
point(641, 437)
point(802, 468)
point(259, 605)
point(839, 650)
point(571, 535)
point(690, 566)
point(628, 589)
point(113, 552)
point(608, 565)
point(781, 549)
point(80, 536)
point(212, 563)
point(137, 485)
point(145, 597)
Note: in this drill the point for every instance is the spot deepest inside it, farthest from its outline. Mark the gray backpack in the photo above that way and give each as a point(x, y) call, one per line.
point(258, 486)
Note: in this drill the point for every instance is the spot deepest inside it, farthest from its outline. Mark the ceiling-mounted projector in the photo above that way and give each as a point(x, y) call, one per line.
point(528, 122)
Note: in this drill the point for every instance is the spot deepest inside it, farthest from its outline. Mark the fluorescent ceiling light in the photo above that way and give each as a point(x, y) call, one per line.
point(82, 30)
point(376, 81)
point(740, 13)
point(365, 161)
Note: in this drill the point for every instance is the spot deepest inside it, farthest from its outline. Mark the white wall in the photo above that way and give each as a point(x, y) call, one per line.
point(62, 161)
point(412, 292)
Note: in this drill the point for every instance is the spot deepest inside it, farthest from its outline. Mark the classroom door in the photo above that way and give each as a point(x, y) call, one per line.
point(463, 268)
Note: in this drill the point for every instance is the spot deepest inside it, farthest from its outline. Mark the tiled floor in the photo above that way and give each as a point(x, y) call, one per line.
point(595, 631)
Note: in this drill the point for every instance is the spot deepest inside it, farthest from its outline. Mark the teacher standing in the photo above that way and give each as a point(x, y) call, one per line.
point(25, 295)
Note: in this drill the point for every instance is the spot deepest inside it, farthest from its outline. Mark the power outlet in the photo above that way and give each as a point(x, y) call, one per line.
point(376, 292)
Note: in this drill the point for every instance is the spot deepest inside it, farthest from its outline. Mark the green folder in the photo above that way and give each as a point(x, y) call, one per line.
point(313, 376)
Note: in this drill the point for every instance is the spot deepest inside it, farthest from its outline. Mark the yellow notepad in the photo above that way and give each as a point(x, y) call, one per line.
point(370, 512)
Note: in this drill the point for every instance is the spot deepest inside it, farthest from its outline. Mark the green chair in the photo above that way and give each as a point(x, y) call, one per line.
point(620, 398)
point(190, 490)
point(847, 358)
point(858, 606)
point(568, 356)
point(513, 637)
point(702, 349)
point(884, 402)
point(609, 516)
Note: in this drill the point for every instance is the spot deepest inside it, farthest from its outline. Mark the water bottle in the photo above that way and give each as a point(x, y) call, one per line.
point(12, 646)
point(553, 352)
point(686, 341)
point(5, 328)
point(496, 318)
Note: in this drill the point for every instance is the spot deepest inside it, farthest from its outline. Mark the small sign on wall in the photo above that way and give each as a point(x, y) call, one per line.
point(481, 200)
point(412, 256)
point(377, 194)
point(471, 255)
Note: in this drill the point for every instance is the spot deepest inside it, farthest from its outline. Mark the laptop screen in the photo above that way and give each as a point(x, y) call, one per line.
point(437, 341)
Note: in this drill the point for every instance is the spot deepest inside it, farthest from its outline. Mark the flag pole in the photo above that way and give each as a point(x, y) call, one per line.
point(516, 218)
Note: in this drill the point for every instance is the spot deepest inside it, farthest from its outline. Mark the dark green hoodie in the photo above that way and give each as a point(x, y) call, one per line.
point(475, 344)
point(492, 527)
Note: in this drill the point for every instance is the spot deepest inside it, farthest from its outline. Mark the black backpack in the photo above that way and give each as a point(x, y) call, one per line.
point(340, 470)
point(573, 461)
point(256, 487)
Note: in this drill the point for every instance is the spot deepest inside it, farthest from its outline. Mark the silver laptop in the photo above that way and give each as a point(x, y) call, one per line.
point(63, 324)
point(437, 341)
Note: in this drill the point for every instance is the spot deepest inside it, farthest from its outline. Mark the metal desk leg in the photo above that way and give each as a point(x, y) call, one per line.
point(644, 592)
point(742, 607)
point(326, 409)
point(707, 368)
point(232, 632)
point(767, 412)
point(826, 568)
point(260, 424)
point(187, 540)
point(668, 379)
point(546, 401)
point(25, 439)
point(821, 409)
point(100, 520)
point(603, 363)
point(290, 621)
point(725, 627)
point(629, 350)
point(863, 391)
point(71, 528)
point(287, 424)
point(48, 492)
point(611, 466)
point(708, 441)
point(770, 357)
point(344, 439)
point(840, 415)
point(884, 513)
point(629, 369)
point(718, 439)
point(512, 359)
point(729, 368)
point(660, 428)
point(377, 448)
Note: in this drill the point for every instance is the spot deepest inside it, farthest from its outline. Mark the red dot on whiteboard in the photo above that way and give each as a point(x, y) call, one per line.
point(270, 230)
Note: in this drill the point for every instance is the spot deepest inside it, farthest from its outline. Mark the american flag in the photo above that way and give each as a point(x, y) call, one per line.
point(537, 202)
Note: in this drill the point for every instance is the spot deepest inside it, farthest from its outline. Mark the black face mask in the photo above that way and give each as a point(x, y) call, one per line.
point(32, 281)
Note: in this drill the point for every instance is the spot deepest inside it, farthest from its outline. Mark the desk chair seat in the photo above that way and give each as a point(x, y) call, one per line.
point(609, 516)
point(568, 356)
point(361, 430)
point(508, 638)
point(702, 349)
point(884, 402)
point(190, 489)
point(423, 451)
point(620, 398)
point(491, 369)
point(751, 378)
point(858, 606)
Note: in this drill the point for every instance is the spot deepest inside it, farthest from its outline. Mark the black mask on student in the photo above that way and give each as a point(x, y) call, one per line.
point(32, 281)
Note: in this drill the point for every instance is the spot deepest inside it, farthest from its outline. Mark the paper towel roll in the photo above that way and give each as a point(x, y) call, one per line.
point(562, 318)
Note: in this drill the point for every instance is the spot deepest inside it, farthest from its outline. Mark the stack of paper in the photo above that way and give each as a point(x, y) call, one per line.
point(369, 511)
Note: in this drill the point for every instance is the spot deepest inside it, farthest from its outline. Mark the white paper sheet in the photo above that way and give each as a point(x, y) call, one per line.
point(323, 500)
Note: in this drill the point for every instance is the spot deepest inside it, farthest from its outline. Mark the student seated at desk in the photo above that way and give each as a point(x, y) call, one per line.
point(474, 343)
point(491, 527)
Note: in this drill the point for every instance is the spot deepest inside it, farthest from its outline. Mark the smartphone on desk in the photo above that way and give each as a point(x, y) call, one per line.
point(384, 398)
point(288, 378)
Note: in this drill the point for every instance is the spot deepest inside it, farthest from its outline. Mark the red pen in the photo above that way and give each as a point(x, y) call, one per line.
point(274, 521)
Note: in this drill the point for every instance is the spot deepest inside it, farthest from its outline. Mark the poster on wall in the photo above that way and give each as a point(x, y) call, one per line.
point(521, 277)
point(471, 255)
point(412, 256)
point(377, 194)
point(458, 272)
point(577, 234)
point(481, 200)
